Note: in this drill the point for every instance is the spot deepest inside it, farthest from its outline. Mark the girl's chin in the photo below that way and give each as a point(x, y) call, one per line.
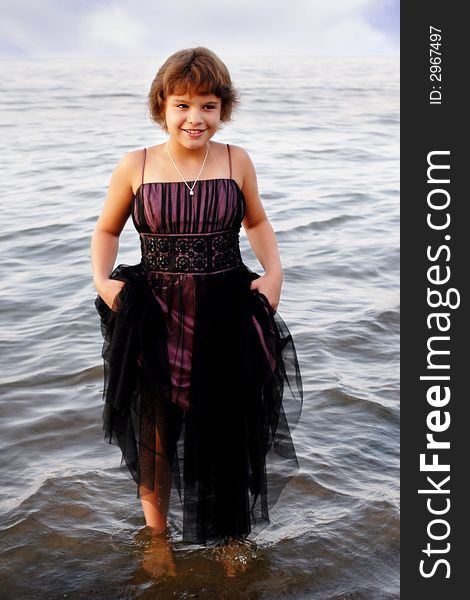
point(191, 141)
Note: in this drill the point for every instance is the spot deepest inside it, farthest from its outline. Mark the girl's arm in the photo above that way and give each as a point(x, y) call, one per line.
point(260, 235)
point(105, 239)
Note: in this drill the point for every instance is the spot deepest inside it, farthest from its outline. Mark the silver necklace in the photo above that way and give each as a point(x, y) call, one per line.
point(191, 189)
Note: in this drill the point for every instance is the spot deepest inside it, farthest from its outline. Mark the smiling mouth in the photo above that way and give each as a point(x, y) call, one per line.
point(194, 130)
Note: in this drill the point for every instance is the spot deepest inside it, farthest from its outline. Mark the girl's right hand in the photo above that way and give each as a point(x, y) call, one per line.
point(109, 291)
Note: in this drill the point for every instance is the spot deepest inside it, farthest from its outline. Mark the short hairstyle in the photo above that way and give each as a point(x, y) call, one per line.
point(192, 70)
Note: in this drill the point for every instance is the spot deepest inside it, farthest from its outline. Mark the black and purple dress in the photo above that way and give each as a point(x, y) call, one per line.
point(201, 376)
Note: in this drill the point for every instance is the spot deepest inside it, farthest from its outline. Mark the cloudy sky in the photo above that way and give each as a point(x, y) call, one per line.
point(43, 28)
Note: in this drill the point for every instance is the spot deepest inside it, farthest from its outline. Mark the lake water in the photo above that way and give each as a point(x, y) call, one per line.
point(324, 137)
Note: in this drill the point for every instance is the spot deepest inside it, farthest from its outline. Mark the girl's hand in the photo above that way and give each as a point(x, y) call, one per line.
point(109, 290)
point(270, 286)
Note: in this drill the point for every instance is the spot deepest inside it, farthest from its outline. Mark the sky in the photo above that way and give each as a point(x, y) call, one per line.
point(94, 28)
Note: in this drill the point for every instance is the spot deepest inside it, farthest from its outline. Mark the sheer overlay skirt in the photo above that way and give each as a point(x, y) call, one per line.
point(202, 390)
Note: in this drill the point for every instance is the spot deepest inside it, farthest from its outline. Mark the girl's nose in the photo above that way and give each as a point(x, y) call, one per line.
point(194, 116)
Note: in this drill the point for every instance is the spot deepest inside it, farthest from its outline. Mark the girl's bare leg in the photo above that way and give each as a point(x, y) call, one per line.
point(158, 557)
point(155, 502)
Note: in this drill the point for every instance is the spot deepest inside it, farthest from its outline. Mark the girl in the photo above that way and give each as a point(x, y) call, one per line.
point(201, 380)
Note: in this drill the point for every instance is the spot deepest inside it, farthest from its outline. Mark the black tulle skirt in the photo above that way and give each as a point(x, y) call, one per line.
point(201, 382)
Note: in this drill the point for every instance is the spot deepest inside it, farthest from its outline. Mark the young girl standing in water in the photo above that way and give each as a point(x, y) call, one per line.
point(202, 385)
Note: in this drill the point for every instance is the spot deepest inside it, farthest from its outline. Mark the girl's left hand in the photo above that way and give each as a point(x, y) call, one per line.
point(270, 286)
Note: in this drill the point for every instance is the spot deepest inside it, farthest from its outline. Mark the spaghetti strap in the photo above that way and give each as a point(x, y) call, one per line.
point(229, 160)
point(143, 164)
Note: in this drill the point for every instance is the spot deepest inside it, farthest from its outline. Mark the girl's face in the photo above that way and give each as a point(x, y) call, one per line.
point(192, 119)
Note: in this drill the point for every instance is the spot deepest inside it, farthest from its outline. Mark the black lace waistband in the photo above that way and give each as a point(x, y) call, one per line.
point(191, 253)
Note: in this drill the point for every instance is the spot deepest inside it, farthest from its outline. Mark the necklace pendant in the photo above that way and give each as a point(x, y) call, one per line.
point(191, 192)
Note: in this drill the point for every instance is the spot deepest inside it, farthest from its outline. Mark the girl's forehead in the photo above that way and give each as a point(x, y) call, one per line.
point(192, 95)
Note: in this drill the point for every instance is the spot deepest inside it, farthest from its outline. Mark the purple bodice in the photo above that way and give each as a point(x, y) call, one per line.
point(168, 208)
point(184, 237)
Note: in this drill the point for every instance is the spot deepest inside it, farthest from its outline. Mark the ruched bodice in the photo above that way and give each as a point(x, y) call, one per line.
point(167, 207)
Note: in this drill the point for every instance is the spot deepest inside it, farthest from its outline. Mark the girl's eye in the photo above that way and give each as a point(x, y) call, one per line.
point(209, 106)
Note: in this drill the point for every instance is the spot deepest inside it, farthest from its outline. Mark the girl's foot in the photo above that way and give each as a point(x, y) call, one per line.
point(159, 560)
point(235, 556)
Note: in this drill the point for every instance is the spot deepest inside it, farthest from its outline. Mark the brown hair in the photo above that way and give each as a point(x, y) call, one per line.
point(193, 69)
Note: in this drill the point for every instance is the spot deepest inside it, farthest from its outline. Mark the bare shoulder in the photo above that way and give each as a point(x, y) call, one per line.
point(243, 167)
point(240, 155)
point(129, 168)
point(131, 160)
point(117, 206)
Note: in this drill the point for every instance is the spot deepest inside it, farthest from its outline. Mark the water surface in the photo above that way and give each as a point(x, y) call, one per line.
point(323, 135)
